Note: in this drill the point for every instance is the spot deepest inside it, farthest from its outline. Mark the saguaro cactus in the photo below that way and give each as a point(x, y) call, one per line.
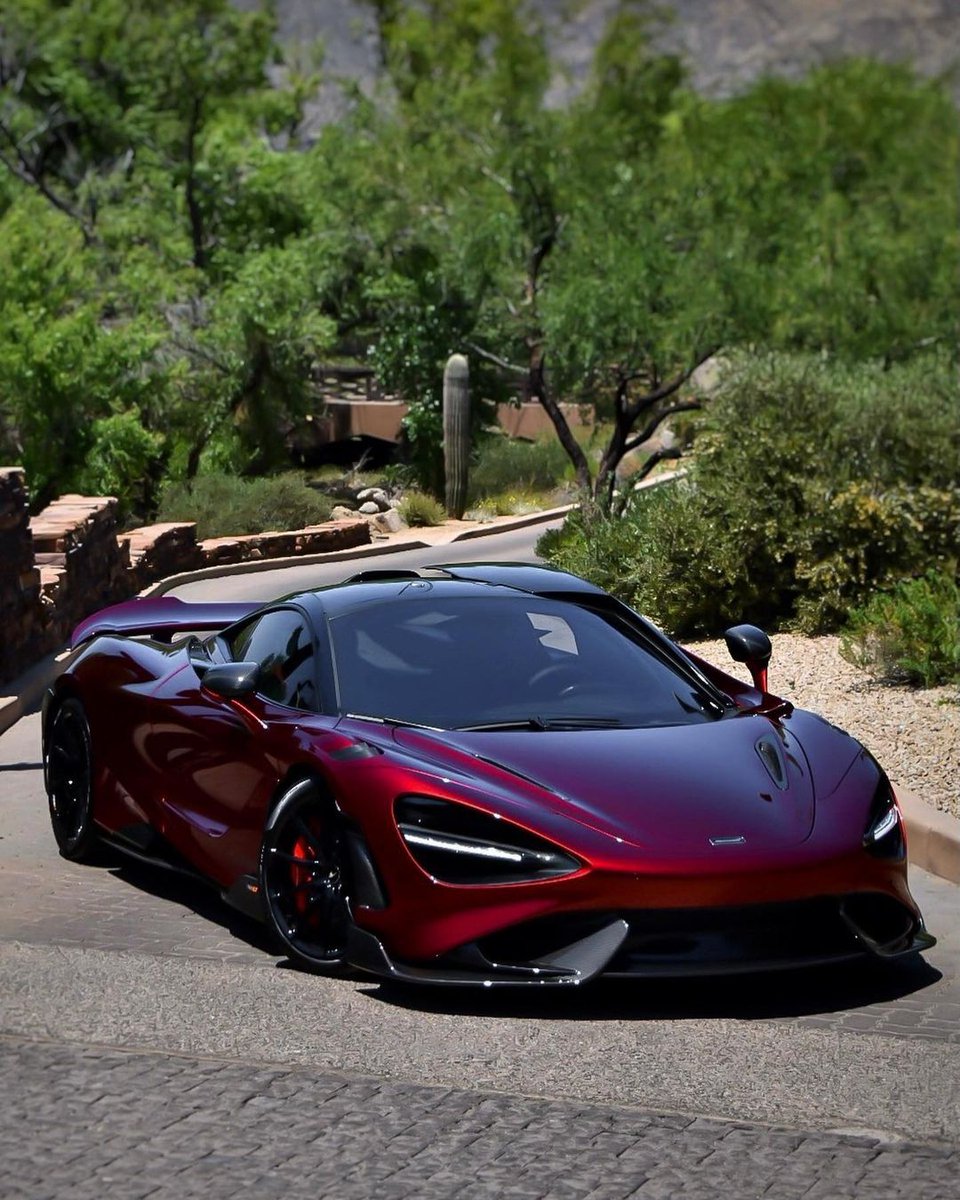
point(456, 433)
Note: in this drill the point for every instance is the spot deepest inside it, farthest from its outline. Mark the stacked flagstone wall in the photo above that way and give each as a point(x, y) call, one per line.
point(22, 634)
point(70, 560)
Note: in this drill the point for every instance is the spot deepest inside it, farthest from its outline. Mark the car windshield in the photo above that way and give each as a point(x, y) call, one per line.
point(505, 662)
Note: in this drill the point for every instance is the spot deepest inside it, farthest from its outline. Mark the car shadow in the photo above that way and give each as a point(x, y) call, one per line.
point(200, 898)
point(816, 991)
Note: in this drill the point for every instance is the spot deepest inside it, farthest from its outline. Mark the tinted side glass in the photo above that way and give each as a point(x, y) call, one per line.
point(280, 642)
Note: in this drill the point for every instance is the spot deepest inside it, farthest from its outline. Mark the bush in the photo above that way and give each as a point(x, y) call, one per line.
point(224, 505)
point(910, 634)
point(124, 460)
point(417, 508)
point(506, 465)
point(813, 485)
point(508, 504)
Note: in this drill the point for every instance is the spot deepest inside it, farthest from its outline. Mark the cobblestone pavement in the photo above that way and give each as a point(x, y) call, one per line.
point(92, 1122)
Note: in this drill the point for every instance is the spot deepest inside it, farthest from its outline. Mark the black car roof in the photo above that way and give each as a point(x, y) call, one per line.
point(456, 579)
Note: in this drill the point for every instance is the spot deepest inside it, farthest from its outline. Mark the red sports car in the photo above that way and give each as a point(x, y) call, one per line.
point(491, 774)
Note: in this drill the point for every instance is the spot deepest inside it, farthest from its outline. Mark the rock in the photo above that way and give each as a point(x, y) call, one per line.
point(375, 496)
point(369, 508)
point(340, 512)
point(389, 521)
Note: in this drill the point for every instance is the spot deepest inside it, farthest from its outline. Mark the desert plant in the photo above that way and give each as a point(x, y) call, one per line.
point(514, 502)
point(225, 506)
point(814, 485)
point(456, 433)
point(418, 508)
point(911, 633)
point(508, 465)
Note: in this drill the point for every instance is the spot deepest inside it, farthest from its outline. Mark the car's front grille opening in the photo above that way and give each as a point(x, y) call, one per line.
point(724, 940)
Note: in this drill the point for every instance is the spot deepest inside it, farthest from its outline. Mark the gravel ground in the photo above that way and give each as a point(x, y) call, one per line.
point(914, 732)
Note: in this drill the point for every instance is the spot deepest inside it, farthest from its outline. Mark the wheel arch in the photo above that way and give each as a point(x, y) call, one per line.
point(297, 773)
point(64, 687)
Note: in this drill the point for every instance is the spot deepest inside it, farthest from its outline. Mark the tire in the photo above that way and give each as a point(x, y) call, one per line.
point(303, 878)
point(68, 776)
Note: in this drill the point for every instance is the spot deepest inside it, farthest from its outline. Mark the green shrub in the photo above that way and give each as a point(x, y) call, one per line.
point(514, 502)
point(224, 505)
point(910, 634)
point(509, 465)
point(417, 508)
point(124, 460)
point(813, 485)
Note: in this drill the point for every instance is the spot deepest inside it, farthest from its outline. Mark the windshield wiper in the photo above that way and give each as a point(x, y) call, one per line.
point(544, 723)
point(393, 722)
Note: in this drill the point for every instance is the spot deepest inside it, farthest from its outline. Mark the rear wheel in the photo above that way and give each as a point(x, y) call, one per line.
point(303, 878)
point(69, 781)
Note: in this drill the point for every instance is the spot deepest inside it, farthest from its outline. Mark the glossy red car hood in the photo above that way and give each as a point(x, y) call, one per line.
point(664, 789)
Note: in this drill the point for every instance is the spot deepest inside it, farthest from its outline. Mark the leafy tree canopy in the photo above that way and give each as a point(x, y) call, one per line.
point(176, 255)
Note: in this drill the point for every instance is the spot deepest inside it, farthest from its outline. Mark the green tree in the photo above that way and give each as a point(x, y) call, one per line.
point(175, 284)
point(607, 247)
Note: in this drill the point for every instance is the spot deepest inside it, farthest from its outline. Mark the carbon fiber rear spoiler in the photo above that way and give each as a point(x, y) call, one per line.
point(160, 616)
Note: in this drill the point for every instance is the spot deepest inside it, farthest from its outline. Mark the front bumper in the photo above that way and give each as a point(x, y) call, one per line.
point(669, 943)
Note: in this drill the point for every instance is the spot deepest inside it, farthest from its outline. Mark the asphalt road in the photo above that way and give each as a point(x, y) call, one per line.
point(152, 1045)
point(516, 545)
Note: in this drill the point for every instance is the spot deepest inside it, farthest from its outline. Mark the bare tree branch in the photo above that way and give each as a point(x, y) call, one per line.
point(651, 427)
point(194, 211)
point(497, 361)
point(667, 389)
point(23, 170)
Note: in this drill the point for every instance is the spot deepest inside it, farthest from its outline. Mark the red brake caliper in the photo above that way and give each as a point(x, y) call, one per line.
point(299, 876)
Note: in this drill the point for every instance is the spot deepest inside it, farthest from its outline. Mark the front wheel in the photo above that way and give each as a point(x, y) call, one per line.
point(69, 781)
point(303, 878)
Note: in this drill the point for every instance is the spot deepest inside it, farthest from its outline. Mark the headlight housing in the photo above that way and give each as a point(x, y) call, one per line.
point(884, 836)
point(455, 843)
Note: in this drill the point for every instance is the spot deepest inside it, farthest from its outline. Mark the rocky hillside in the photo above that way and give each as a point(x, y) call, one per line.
point(726, 42)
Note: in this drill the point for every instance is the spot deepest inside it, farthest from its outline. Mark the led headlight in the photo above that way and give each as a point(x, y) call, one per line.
point(884, 832)
point(458, 844)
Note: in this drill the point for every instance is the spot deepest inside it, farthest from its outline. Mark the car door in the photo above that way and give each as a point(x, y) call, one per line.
point(221, 759)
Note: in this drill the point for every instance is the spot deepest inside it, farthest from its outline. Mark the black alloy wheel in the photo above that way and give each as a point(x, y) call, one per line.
point(69, 781)
point(303, 878)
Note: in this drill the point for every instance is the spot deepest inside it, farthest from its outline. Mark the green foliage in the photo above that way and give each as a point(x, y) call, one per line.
point(419, 509)
point(150, 243)
point(510, 502)
point(170, 246)
point(224, 506)
point(791, 512)
point(504, 464)
point(124, 460)
point(910, 634)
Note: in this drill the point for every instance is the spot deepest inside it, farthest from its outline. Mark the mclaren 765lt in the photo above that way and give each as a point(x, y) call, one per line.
point(489, 774)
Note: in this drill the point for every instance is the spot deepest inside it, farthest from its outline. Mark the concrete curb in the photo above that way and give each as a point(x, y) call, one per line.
point(933, 837)
point(29, 689)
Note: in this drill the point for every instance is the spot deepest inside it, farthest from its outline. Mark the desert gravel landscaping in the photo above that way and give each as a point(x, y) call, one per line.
point(914, 732)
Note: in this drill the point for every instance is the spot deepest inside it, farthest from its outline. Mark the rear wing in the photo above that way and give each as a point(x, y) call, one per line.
point(159, 616)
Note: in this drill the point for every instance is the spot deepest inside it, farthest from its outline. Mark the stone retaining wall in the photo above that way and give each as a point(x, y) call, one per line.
point(22, 637)
point(70, 560)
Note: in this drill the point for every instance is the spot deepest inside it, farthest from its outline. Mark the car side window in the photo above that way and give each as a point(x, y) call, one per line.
point(280, 643)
